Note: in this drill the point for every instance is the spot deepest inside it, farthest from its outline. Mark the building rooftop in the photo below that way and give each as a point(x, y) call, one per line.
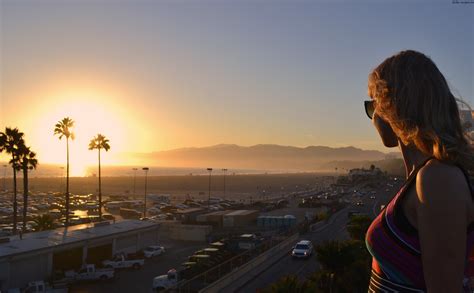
point(241, 213)
point(61, 236)
point(218, 213)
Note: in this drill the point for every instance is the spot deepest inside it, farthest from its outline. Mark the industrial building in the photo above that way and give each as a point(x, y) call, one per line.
point(240, 218)
point(38, 255)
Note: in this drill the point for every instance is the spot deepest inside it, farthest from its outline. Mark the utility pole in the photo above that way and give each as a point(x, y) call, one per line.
point(209, 197)
point(224, 170)
point(146, 175)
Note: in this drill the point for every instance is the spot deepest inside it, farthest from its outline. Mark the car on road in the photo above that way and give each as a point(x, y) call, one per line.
point(302, 249)
point(372, 197)
point(360, 203)
point(153, 250)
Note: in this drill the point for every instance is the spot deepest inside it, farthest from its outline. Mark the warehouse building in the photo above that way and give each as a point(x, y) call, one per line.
point(240, 218)
point(38, 255)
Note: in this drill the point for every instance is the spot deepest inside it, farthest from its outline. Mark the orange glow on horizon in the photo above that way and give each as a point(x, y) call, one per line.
point(93, 112)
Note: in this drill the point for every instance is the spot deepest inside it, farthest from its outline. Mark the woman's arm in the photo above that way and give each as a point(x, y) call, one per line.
point(442, 212)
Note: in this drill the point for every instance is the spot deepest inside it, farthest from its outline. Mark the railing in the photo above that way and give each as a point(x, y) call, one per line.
point(206, 278)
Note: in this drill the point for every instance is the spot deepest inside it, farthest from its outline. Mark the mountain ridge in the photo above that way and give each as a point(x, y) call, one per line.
point(259, 156)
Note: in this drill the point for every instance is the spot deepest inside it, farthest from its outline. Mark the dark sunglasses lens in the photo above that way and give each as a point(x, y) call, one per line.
point(369, 108)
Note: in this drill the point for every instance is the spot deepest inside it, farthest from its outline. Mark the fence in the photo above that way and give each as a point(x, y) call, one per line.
point(235, 263)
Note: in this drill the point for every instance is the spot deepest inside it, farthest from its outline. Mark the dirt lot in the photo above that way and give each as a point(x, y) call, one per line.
point(237, 186)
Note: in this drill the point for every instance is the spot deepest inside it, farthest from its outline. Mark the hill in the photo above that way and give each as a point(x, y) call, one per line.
point(258, 157)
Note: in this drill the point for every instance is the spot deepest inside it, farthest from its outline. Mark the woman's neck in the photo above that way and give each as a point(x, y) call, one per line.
point(412, 157)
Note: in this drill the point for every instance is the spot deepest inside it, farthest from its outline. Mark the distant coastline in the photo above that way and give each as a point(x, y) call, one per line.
point(258, 159)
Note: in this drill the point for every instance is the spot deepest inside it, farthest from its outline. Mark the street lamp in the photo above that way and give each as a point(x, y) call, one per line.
point(224, 170)
point(134, 180)
point(209, 197)
point(146, 175)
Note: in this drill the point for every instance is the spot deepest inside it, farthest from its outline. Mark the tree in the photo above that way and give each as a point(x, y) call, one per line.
point(358, 226)
point(64, 129)
point(97, 143)
point(26, 161)
point(292, 284)
point(345, 266)
point(43, 222)
point(11, 141)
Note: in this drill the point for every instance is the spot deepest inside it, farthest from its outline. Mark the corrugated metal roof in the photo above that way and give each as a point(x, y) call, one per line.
point(61, 236)
point(241, 213)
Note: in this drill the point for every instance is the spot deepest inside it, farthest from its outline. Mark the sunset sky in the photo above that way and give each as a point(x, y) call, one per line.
point(158, 75)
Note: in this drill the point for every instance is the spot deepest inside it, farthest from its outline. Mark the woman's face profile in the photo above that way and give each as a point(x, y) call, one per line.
point(389, 138)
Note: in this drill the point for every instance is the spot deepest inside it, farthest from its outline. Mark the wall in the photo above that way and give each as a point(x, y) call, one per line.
point(189, 232)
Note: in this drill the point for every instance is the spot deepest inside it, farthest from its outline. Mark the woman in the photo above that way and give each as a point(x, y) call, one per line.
point(423, 239)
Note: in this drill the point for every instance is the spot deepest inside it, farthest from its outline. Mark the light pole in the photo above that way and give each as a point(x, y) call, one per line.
point(209, 197)
point(134, 179)
point(146, 175)
point(4, 177)
point(224, 170)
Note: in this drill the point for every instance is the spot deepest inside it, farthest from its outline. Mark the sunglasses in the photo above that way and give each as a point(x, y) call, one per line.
point(369, 108)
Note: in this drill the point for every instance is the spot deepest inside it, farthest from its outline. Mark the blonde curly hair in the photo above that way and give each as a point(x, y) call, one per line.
point(412, 95)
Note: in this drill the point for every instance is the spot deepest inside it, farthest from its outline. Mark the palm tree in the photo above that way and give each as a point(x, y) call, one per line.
point(27, 161)
point(12, 141)
point(97, 143)
point(43, 222)
point(64, 129)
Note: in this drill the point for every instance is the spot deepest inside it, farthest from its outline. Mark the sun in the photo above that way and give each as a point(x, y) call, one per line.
point(91, 115)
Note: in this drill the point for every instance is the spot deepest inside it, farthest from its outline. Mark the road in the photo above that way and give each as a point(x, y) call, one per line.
point(299, 267)
point(335, 230)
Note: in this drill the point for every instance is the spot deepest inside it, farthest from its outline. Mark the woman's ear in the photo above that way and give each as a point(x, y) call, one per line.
point(388, 136)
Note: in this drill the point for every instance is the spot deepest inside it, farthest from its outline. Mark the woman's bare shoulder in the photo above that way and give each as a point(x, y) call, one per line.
point(436, 180)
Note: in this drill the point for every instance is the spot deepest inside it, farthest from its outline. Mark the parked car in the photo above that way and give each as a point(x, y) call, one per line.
point(302, 249)
point(153, 250)
point(108, 217)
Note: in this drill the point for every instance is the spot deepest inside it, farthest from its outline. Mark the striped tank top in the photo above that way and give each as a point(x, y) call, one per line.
point(395, 248)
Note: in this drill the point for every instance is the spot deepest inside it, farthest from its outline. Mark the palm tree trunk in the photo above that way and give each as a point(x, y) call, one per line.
point(100, 191)
point(67, 182)
point(25, 194)
point(15, 204)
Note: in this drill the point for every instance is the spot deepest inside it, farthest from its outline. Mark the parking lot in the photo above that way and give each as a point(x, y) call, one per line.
point(140, 280)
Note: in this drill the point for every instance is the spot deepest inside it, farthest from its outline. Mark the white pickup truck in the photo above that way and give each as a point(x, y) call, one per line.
point(38, 287)
point(89, 272)
point(164, 282)
point(121, 262)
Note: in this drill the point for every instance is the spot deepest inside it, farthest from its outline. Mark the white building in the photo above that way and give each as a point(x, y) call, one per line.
point(39, 254)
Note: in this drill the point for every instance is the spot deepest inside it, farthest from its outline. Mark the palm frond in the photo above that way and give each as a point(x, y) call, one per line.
point(63, 128)
point(99, 142)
